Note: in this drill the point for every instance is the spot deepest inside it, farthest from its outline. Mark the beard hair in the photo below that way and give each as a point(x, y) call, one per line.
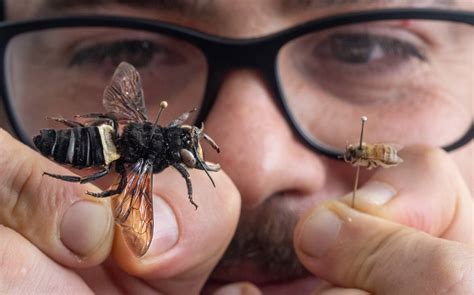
point(264, 238)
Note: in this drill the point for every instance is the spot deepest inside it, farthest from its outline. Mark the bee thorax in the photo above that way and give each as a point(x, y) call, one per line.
point(137, 143)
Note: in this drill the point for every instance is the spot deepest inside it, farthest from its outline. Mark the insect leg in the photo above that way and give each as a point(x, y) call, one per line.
point(91, 115)
point(203, 166)
point(211, 142)
point(181, 169)
point(208, 166)
point(116, 118)
point(371, 164)
point(207, 172)
point(181, 119)
point(69, 123)
point(63, 177)
point(81, 180)
point(108, 193)
point(100, 118)
point(95, 176)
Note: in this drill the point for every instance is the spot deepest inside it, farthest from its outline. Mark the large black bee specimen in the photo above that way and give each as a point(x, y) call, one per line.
point(124, 138)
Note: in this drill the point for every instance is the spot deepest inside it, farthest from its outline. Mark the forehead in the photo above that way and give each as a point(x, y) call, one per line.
point(234, 17)
point(183, 6)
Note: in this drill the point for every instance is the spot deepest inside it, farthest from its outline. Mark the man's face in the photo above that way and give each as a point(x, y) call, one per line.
point(276, 174)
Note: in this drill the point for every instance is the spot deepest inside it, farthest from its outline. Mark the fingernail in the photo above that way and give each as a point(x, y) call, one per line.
point(374, 192)
point(238, 289)
point(319, 233)
point(165, 231)
point(85, 226)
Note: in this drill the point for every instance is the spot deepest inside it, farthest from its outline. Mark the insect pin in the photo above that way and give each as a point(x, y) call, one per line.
point(123, 138)
point(370, 156)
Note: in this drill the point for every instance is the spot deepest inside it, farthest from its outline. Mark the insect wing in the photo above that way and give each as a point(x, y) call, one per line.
point(124, 94)
point(181, 119)
point(387, 153)
point(375, 155)
point(133, 208)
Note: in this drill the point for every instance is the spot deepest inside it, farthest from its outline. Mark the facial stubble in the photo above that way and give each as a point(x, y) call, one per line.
point(264, 239)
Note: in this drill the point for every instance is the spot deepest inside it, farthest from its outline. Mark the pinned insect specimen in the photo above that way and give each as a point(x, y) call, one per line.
point(141, 149)
point(370, 156)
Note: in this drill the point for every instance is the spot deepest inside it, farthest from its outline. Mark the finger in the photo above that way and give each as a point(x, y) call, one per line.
point(55, 216)
point(426, 192)
point(187, 242)
point(340, 291)
point(329, 289)
point(326, 288)
point(26, 270)
point(354, 250)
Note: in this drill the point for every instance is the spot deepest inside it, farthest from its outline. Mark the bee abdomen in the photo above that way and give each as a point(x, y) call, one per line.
point(79, 146)
point(390, 155)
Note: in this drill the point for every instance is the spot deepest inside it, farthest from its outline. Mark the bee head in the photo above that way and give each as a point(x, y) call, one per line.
point(191, 153)
point(352, 153)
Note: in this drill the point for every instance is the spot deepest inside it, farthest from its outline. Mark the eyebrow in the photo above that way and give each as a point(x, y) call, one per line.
point(206, 7)
point(181, 6)
point(298, 5)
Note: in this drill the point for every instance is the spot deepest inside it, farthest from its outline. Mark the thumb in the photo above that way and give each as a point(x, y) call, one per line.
point(187, 243)
point(355, 250)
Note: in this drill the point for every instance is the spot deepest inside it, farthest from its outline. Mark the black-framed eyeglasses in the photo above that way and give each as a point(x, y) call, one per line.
point(409, 70)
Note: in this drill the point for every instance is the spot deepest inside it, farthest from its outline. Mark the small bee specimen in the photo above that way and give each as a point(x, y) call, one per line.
point(370, 156)
point(124, 138)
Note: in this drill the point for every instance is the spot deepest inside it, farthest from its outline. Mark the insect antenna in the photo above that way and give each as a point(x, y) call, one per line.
point(356, 182)
point(163, 105)
point(204, 167)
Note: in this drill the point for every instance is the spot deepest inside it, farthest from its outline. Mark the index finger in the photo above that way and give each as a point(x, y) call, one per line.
point(187, 242)
point(356, 250)
point(55, 216)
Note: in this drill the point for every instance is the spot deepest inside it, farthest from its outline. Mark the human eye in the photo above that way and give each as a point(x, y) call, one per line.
point(361, 53)
point(351, 60)
point(367, 49)
point(139, 52)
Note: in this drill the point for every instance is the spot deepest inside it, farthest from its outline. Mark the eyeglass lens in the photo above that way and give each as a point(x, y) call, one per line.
point(403, 75)
point(63, 72)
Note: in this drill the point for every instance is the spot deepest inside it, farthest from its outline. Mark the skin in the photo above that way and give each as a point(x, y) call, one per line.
point(411, 230)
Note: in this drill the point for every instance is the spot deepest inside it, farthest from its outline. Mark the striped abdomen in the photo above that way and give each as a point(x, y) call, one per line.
point(79, 146)
point(386, 154)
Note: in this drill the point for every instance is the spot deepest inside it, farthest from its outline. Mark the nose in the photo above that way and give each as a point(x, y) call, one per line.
point(258, 149)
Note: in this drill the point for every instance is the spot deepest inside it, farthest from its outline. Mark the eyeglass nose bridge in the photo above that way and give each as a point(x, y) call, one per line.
point(237, 54)
point(223, 58)
point(228, 57)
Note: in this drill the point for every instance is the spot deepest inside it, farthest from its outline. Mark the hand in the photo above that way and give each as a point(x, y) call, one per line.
point(358, 253)
point(55, 239)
